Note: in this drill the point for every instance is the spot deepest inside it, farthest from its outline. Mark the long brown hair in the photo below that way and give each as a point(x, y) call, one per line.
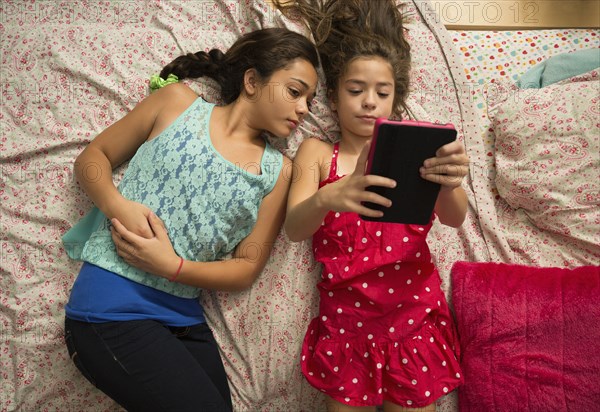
point(265, 50)
point(345, 30)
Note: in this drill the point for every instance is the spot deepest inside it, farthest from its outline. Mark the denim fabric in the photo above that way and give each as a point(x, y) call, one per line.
point(146, 366)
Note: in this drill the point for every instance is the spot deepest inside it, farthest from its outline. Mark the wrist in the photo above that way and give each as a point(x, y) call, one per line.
point(449, 190)
point(321, 200)
point(112, 204)
point(174, 275)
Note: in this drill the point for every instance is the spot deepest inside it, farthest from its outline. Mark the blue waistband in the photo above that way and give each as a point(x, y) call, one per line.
point(99, 295)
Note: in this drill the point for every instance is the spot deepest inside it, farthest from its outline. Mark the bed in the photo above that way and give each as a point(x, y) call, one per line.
point(70, 69)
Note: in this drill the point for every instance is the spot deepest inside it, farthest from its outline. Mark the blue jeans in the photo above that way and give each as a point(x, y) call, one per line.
point(146, 366)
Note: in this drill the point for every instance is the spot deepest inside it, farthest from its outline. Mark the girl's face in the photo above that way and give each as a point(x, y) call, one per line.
point(365, 92)
point(284, 99)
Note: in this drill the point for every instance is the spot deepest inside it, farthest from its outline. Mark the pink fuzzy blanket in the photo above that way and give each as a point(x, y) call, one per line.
point(530, 337)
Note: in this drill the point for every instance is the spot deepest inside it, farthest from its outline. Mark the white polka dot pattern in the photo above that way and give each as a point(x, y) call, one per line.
point(383, 339)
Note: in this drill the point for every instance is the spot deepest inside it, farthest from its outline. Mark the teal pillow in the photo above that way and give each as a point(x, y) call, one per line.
point(560, 67)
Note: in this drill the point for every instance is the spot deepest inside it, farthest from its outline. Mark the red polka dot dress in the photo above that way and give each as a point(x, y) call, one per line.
point(384, 330)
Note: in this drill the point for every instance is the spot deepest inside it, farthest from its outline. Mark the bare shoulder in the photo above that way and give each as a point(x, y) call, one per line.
point(172, 100)
point(312, 161)
point(176, 92)
point(314, 147)
point(170, 97)
point(316, 144)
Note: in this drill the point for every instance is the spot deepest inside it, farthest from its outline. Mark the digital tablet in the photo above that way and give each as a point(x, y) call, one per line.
point(398, 150)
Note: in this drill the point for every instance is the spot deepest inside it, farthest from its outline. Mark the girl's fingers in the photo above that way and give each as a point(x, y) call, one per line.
point(376, 199)
point(451, 153)
point(374, 180)
point(124, 241)
point(124, 249)
point(460, 160)
point(361, 163)
point(157, 226)
point(445, 180)
point(455, 147)
point(445, 169)
point(365, 211)
point(117, 239)
point(118, 226)
point(115, 236)
point(130, 237)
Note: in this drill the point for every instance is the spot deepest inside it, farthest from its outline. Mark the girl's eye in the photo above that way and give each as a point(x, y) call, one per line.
point(354, 91)
point(293, 92)
point(383, 94)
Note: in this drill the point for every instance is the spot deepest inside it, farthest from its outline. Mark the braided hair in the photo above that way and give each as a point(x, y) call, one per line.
point(266, 51)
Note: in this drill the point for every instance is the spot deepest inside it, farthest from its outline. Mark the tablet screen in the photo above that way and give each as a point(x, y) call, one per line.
point(398, 151)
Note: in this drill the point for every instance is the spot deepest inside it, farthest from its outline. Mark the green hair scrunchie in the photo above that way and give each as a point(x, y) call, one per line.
point(156, 82)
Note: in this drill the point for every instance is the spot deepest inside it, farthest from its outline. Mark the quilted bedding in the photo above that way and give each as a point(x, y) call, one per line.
point(69, 69)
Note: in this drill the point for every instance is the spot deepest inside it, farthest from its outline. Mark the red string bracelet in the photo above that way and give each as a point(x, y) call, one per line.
point(178, 270)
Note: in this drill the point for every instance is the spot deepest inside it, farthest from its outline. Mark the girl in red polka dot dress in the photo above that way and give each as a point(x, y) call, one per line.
point(384, 334)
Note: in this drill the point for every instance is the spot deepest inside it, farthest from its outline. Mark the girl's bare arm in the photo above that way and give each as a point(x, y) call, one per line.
point(156, 255)
point(308, 205)
point(117, 144)
point(449, 168)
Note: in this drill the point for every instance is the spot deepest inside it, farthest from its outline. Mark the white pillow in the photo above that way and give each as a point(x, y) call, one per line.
point(548, 155)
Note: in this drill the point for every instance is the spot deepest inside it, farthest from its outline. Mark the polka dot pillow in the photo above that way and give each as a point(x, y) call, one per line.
point(547, 155)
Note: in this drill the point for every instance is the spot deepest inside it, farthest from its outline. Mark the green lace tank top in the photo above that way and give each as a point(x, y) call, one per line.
point(207, 203)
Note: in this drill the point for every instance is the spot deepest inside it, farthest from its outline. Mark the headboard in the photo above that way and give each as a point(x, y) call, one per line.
point(517, 14)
